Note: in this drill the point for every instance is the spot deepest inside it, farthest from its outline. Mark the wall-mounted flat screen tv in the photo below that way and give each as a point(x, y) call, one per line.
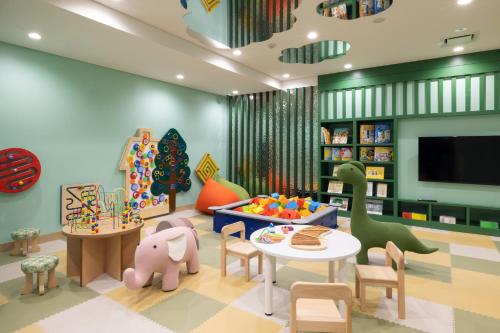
point(459, 159)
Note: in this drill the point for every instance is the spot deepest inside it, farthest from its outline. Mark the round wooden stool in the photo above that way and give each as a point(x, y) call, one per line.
point(39, 265)
point(23, 238)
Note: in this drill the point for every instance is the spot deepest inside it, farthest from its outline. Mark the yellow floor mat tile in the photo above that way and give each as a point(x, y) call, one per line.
point(230, 320)
point(3, 299)
point(223, 289)
point(437, 258)
point(470, 291)
point(457, 238)
point(34, 328)
point(373, 296)
point(198, 219)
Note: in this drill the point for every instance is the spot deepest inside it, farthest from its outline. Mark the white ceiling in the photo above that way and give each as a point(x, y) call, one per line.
point(149, 38)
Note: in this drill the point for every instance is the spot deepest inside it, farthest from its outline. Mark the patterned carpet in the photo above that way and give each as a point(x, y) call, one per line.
point(456, 289)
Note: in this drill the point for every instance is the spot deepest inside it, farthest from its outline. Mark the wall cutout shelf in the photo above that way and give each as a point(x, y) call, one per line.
point(352, 9)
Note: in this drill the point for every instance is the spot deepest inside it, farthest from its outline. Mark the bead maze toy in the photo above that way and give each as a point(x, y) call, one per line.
point(19, 170)
point(138, 163)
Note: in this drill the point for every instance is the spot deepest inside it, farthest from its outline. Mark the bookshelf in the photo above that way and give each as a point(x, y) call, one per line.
point(351, 9)
point(466, 218)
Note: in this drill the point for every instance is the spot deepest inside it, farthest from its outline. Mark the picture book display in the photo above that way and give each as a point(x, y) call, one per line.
point(335, 170)
point(327, 154)
point(382, 190)
point(342, 154)
point(335, 186)
point(447, 219)
point(375, 172)
point(383, 133)
point(340, 135)
point(325, 136)
point(383, 154)
point(367, 134)
point(374, 207)
point(366, 153)
point(369, 189)
point(341, 203)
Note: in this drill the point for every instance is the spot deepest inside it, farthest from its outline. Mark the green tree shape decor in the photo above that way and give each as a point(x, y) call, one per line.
point(172, 171)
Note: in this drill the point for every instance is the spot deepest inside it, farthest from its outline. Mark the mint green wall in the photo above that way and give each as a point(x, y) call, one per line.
point(213, 25)
point(76, 117)
point(410, 188)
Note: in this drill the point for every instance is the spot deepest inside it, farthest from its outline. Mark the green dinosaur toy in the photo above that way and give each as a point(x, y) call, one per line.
point(372, 233)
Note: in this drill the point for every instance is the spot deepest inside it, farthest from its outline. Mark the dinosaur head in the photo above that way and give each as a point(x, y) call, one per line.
point(352, 173)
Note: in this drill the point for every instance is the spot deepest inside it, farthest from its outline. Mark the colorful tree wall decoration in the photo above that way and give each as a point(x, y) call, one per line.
point(172, 172)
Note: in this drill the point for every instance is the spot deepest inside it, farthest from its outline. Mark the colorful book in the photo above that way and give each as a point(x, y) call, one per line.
point(418, 216)
point(336, 154)
point(366, 7)
point(375, 172)
point(366, 153)
point(383, 154)
point(340, 135)
point(325, 136)
point(327, 153)
point(447, 219)
point(383, 133)
point(341, 203)
point(339, 11)
point(374, 207)
point(488, 224)
point(382, 190)
point(406, 215)
point(369, 189)
point(335, 187)
point(335, 170)
point(367, 134)
point(346, 154)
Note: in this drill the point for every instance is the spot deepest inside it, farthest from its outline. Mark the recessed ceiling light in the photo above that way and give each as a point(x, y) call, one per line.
point(237, 52)
point(286, 75)
point(458, 49)
point(463, 2)
point(35, 35)
point(179, 76)
point(348, 66)
point(251, 97)
point(235, 92)
point(312, 35)
point(461, 29)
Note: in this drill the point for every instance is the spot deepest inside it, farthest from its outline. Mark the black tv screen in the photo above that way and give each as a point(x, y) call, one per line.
point(459, 159)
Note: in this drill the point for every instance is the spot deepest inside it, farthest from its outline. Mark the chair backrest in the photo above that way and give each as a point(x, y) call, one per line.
point(392, 252)
point(232, 228)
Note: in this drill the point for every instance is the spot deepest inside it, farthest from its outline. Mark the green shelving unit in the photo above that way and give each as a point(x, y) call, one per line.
point(467, 217)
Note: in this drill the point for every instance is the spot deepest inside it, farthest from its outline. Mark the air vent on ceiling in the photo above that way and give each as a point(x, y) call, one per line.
point(459, 40)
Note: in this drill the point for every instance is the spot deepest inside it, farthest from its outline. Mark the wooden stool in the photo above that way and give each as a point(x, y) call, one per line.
point(23, 238)
point(384, 276)
point(241, 249)
point(39, 265)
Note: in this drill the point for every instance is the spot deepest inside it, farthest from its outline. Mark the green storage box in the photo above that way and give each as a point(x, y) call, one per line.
point(488, 224)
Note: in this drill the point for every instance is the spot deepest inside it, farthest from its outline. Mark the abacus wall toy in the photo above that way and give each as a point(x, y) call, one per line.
point(19, 170)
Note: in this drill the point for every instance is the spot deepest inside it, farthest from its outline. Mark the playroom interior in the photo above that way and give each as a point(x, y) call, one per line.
point(270, 166)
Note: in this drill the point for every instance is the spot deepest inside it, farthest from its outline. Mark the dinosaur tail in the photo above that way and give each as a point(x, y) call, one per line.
point(421, 248)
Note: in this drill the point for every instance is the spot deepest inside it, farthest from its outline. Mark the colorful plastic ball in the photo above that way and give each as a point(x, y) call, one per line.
point(155, 202)
point(135, 195)
point(140, 169)
point(145, 141)
point(142, 204)
point(135, 147)
point(144, 195)
point(139, 154)
point(135, 205)
point(134, 187)
point(137, 164)
point(133, 175)
point(150, 154)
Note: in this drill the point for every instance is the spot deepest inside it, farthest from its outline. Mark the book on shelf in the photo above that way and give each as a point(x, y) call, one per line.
point(346, 154)
point(367, 134)
point(340, 11)
point(336, 156)
point(383, 133)
point(374, 207)
point(327, 153)
point(369, 189)
point(325, 136)
point(383, 154)
point(366, 153)
point(373, 172)
point(419, 216)
point(341, 203)
point(335, 170)
point(406, 215)
point(382, 190)
point(340, 135)
point(366, 7)
point(335, 186)
point(488, 224)
point(447, 219)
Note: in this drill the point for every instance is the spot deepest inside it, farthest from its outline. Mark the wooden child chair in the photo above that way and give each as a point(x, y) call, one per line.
point(241, 249)
point(383, 276)
point(313, 307)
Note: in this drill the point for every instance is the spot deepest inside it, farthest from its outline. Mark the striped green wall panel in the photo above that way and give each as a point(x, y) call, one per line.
point(273, 142)
point(444, 96)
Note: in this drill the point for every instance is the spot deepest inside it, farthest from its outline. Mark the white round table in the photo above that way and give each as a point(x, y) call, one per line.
point(340, 247)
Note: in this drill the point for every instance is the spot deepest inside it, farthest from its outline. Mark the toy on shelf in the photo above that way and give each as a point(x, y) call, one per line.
point(19, 170)
point(138, 163)
point(171, 174)
point(277, 205)
point(163, 252)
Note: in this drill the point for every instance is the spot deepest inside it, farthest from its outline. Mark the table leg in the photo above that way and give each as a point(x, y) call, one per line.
point(331, 271)
point(268, 284)
point(273, 263)
point(93, 259)
point(342, 278)
point(74, 257)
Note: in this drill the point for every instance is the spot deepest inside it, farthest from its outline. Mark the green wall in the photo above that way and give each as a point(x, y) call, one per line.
point(76, 117)
point(410, 188)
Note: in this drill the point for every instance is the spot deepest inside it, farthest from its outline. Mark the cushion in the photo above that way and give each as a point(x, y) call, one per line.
point(214, 194)
point(240, 191)
point(25, 233)
point(39, 264)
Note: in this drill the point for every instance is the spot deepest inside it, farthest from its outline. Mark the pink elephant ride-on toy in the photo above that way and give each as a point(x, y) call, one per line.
point(163, 252)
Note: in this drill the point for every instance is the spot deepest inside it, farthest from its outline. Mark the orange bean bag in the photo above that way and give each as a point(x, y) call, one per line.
point(214, 194)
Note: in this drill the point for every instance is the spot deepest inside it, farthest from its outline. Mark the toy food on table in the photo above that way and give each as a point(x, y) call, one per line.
point(279, 206)
point(310, 235)
point(268, 237)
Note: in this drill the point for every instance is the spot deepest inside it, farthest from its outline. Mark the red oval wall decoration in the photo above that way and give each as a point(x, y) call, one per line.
point(19, 170)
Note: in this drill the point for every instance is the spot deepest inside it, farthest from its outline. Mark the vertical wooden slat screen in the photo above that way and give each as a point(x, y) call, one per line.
point(419, 98)
point(273, 141)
